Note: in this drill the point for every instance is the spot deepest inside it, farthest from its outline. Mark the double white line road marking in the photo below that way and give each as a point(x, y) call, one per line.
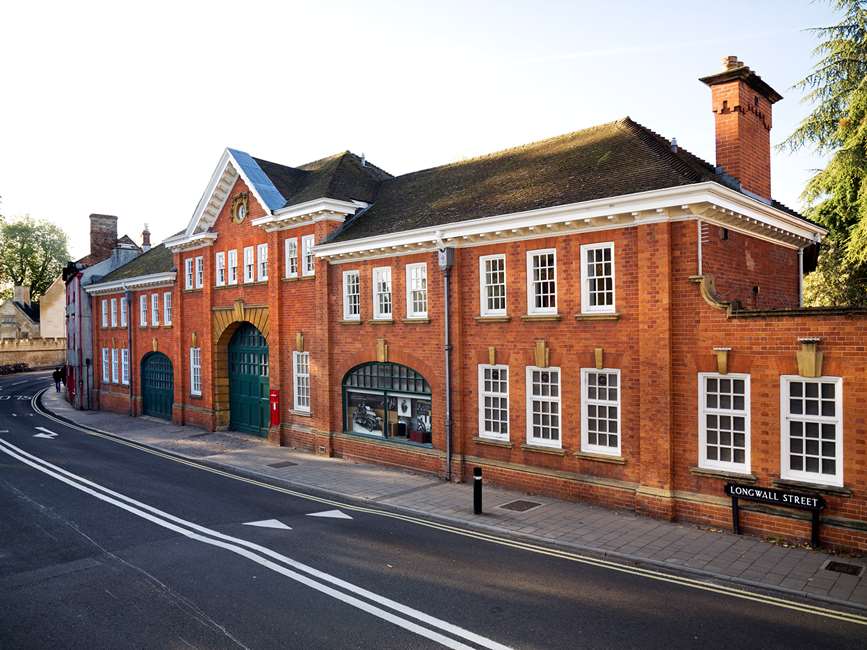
point(401, 615)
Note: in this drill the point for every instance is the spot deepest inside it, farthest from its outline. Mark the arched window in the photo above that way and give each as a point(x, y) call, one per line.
point(387, 400)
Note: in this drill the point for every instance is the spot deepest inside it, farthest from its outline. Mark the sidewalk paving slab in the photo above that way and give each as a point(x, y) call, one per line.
point(576, 526)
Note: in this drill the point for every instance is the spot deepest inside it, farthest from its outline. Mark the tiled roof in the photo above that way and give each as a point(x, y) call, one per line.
point(617, 158)
point(157, 260)
point(31, 310)
point(343, 176)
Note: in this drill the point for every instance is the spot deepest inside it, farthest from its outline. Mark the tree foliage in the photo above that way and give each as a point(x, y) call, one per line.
point(837, 195)
point(32, 254)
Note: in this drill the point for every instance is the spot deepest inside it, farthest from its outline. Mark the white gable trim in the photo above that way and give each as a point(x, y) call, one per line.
point(316, 210)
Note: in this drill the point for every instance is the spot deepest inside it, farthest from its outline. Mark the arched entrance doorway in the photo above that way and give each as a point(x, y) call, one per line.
point(157, 385)
point(248, 381)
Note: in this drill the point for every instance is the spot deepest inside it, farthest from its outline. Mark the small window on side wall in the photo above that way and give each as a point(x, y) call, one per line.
point(724, 422)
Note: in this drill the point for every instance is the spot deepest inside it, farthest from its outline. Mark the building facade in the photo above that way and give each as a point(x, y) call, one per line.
point(107, 252)
point(599, 316)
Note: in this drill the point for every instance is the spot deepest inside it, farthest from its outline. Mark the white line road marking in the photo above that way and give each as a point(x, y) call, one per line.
point(611, 565)
point(269, 523)
point(46, 433)
point(330, 514)
point(240, 547)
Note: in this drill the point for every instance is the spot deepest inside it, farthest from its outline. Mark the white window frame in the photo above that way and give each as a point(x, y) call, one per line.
point(220, 264)
point(818, 478)
point(411, 312)
point(155, 310)
point(167, 308)
point(298, 382)
point(113, 312)
point(188, 273)
point(124, 366)
point(704, 411)
point(106, 368)
point(348, 278)
point(484, 310)
point(232, 266)
point(308, 263)
point(104, 307)
point(123, 311)
point(586, 402)
point(262, 262)
point(196, 371)
point(382, 275)
point(290, 254)
point(542, 442)
point(586, 307)
point(482, 393)
point(143, 310)
point(531, 289)
point(115, 374)
point(249, 264)
point(200, 272)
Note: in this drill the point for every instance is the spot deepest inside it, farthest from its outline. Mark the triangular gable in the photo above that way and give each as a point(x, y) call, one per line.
point(233, 163)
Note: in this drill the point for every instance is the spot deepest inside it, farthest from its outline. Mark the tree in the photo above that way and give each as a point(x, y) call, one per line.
point(32, 254)
point(837, 195)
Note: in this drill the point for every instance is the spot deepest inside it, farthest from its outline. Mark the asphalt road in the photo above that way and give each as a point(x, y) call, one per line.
point(103, 545)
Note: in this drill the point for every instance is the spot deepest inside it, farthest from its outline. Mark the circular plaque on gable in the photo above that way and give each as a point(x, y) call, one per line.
point(239, 207)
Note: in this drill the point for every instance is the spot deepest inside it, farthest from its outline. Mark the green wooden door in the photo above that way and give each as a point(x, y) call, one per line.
point(248, 381)
point(157, 386)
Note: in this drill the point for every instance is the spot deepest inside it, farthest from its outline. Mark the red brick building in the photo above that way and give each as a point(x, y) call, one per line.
point(598, 316)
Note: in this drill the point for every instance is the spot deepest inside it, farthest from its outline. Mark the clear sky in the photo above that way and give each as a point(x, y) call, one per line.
point(125, 108)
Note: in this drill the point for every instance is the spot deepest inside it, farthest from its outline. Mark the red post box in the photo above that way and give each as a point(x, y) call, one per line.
point(275, 407)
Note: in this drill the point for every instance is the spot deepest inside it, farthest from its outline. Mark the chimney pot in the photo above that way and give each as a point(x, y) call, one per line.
point(731, 62)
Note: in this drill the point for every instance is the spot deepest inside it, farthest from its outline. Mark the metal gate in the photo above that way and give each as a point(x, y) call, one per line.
point(157, 386)
point(248, 381)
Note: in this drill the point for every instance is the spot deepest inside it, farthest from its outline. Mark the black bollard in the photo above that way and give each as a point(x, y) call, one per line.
point(477, 490)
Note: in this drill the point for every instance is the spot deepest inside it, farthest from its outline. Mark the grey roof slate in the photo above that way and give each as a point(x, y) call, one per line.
point(157, 260)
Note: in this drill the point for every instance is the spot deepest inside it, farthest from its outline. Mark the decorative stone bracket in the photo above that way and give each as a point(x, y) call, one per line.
point(722, 360)
point(707, 287)
point(597, 354)
point(492, 356)
point(542, 354)
point(381, 350)
point(809, 357)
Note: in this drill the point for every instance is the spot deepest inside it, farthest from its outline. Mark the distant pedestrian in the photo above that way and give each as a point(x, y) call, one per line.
point(57, 376)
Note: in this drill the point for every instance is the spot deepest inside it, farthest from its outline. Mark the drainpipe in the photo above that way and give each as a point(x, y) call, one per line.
point(800, 277)
point(127, 297)
point(446, 260)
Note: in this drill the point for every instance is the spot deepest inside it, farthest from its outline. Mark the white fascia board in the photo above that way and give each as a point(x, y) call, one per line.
point(149, 281)
point(707, 192)
point(216, 177)
point(188, 243)
point(323, 204)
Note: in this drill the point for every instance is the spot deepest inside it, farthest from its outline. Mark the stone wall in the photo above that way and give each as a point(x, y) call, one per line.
point(36, 352)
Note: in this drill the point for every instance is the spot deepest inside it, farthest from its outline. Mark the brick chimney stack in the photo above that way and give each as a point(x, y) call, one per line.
point(742, 103)
point(145, 239)
point(103, 235)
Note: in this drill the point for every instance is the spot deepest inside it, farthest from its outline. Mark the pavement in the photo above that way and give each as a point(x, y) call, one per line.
point(613, 534)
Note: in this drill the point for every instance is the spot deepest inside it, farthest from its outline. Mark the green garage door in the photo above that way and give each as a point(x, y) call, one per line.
point(157, 386)
point(248, 381)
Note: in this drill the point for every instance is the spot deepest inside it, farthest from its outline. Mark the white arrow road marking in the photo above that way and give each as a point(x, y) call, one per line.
point(269, 523)
point(47, 433)
point(331, 514)
point(325, 583)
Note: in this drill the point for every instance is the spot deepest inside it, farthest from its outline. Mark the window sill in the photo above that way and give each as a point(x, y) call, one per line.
point(193, 290)
point(540, 317)
point(295, 279)
point(381, 321)
point(493, 319)
point(493, 442)
point(554, 451)
point(303, 414)
point(308, 277)
point(254, 283)
point(600, 316)
point(195, 396)
point(349, 322)
point(836, 490)
point(602, 458)
point(413, 321)
point(723, 474)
